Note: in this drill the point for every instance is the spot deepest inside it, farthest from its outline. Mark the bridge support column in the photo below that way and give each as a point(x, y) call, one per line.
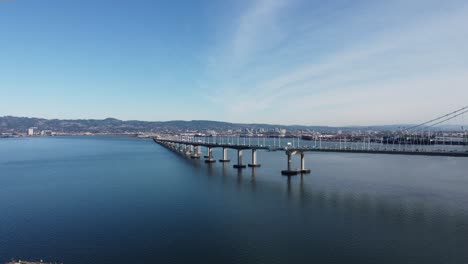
point(254, 159)
point(225, 159)
point(196, 153)
point(239, 160)
point(303, 169)
point(187, 149)
point(289, 171)
point(210, 156)
point(302, 161)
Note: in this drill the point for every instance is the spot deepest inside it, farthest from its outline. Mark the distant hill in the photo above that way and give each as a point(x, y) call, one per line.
point(112, 125)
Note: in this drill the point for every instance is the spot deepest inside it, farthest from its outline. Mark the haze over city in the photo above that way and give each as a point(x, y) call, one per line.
point(281, 62)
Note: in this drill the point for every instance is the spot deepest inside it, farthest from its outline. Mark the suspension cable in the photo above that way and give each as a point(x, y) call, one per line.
point(450, 118)
point(441, 117)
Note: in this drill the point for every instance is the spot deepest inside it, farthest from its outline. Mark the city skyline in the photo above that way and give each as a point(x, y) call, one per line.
point(277, 62)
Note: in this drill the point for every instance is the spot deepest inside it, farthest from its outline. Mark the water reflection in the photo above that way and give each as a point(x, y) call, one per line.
point(239, 177)
point(289, 185)
point(300, 190)
point(254, 172)
point(210, 168)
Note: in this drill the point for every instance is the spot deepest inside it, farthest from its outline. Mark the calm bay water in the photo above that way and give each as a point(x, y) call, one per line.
point(123, 200)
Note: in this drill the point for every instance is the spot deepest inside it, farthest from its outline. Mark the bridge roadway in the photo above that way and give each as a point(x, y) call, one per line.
point(192, 148)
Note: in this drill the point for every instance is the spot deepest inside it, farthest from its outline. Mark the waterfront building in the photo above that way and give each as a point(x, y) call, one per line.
point(47, 133)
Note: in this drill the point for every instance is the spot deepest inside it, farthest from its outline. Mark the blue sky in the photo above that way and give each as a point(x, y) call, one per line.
point(276, 61)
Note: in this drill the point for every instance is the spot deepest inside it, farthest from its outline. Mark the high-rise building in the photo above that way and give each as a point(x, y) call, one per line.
point(31, 131)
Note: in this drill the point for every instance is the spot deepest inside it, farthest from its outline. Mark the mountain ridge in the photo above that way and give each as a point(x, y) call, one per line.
point(114, 125)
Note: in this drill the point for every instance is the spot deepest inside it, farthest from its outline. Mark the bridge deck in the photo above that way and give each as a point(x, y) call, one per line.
point(314, 149)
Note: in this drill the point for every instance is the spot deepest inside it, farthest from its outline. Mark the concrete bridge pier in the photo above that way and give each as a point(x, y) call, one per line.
point(210, 156)
point(196, 153)
point(239, 160)
point(303, 169)
point(224, 159)
point(187, 150)
point(254, 159)
point(289, 171)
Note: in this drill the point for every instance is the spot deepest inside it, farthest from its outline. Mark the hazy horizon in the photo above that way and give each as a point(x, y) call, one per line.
point(222, 121)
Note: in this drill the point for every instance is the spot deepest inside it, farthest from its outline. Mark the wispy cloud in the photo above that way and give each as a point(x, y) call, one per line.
point(257, 27)
point(399, 59)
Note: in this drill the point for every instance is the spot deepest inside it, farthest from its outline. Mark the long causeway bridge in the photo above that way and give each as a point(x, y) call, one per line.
point(192, 147)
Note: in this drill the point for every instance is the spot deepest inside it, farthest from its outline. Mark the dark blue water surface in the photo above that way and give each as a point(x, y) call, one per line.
point(124, 200)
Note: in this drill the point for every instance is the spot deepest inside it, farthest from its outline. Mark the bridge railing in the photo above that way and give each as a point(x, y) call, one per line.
point(341, 146)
